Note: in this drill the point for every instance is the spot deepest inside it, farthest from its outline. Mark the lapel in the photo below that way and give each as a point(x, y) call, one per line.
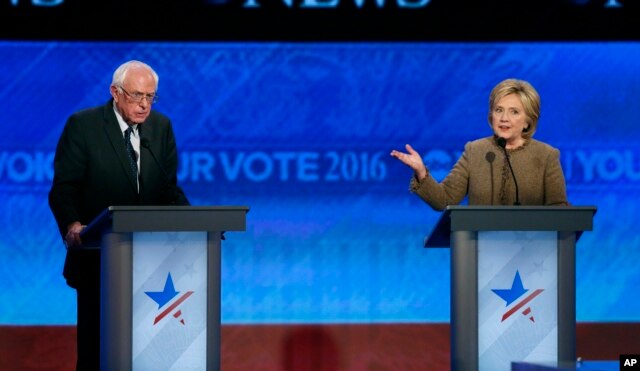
point(114, 134)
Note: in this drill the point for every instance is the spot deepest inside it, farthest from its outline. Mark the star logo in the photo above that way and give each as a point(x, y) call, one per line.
point(516, 292)
point(169, 299)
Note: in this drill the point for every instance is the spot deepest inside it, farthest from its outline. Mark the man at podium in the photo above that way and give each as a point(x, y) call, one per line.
point(507, 168)
point(122, 153)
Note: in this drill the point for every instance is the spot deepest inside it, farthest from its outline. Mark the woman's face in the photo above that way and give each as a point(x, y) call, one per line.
point(509, 119)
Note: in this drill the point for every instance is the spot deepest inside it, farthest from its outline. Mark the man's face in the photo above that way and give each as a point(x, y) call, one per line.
point(134, 98)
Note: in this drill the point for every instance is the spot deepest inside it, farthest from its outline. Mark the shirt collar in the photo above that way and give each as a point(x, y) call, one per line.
point(123, 125)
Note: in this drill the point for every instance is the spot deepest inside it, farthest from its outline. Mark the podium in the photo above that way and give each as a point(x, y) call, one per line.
point(160, 284)
point(512, 282)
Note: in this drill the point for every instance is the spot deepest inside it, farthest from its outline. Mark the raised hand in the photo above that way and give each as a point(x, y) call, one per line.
point(413, 160)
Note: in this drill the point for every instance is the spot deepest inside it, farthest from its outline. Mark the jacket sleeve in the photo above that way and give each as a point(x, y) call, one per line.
point(69, 170)
point(555, 191)
point(451, 191)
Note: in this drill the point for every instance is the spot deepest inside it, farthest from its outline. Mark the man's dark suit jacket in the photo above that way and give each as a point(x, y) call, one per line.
point(92, 173)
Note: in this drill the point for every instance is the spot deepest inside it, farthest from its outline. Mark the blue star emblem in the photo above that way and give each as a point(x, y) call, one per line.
point(164, 296)
point(512, 294)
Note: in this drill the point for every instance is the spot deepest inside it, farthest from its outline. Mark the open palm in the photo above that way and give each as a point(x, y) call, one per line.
point(412, 159)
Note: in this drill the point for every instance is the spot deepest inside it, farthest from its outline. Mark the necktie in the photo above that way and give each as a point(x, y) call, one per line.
point(133, 163)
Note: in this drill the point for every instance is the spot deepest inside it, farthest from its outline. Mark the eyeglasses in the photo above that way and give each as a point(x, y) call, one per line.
point(138, 97)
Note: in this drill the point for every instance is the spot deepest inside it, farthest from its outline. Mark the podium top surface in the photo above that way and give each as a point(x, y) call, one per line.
point(123, 219)
point(510, 218)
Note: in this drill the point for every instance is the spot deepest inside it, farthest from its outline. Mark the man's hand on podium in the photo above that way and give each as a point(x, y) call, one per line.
point(72, 238)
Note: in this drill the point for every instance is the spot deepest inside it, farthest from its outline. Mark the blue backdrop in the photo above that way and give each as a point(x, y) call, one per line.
point(301, 133)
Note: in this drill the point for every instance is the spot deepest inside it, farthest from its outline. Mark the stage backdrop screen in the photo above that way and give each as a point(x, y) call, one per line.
point(301, 133)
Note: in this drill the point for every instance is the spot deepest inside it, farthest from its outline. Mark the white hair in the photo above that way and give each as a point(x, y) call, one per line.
point(120, 73)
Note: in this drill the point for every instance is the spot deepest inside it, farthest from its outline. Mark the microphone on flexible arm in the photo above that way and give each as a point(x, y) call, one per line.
point(490, 156)
point(503, 143)
point(144, 142)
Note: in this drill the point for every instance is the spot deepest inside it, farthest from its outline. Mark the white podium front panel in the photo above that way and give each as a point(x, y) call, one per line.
point(169, 301)
point(517, 298)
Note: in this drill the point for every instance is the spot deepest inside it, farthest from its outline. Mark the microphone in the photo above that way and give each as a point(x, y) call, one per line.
point(503, 143)
point(173, 193)
point(144, 142)
point(490, 156)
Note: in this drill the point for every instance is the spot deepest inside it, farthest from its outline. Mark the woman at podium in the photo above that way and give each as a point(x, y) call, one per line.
point(506, 168)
